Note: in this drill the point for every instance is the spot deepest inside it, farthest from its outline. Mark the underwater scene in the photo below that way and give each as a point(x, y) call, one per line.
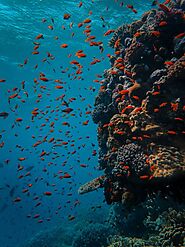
point(92, 123)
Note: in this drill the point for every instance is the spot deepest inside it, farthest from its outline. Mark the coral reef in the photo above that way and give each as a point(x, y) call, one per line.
point(93, 235)
point(58, 237)
point(140, 112)
point(140, 109)
point(157, 222)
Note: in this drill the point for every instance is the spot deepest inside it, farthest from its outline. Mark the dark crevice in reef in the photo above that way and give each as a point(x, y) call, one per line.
point(140, 112)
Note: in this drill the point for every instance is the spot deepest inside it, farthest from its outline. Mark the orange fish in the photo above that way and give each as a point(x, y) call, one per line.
point(18, 119)
point(138, 34)
point(174, 106)
point(125, 91)
point(109, 32)
point(59, 87)
point(40, 36)
point(135, 97)
point(79, 55)
point(74, 62)
point(86, 122)
point(168, 63)
point(13, 96)
point(117, 43)
point(163, 104)
point(35, 52)
point(87, 21)
point(155, 93)
point(22, 159)
point(156, 110)
point(51, 139)
point(64, 46)
point(180, 35)
point(43, 153)
point(163, 23)
point(50, 27)
point(171, 132)
point(156, 33)
point(36, 47)
point(66, 16)
point(144, 177)
point(80, 24)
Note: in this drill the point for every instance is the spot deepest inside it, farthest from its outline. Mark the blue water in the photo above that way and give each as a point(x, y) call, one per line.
point(20, 22)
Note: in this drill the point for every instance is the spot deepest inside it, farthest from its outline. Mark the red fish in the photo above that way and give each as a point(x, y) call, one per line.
point(178, 119)
point(168, 63)
point(156, 33)
point(109, 32)
point(47, 193)
point(67, 175)
point(171, 132)
point(163, 23)
point(43, 79)
point(19, 119)
point(80, 4)
point(180, 35)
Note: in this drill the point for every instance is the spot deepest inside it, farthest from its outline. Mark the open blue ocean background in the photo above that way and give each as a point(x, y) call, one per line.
point(20, 22)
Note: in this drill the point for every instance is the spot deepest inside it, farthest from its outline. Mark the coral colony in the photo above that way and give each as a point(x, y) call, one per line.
point(140, 110)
